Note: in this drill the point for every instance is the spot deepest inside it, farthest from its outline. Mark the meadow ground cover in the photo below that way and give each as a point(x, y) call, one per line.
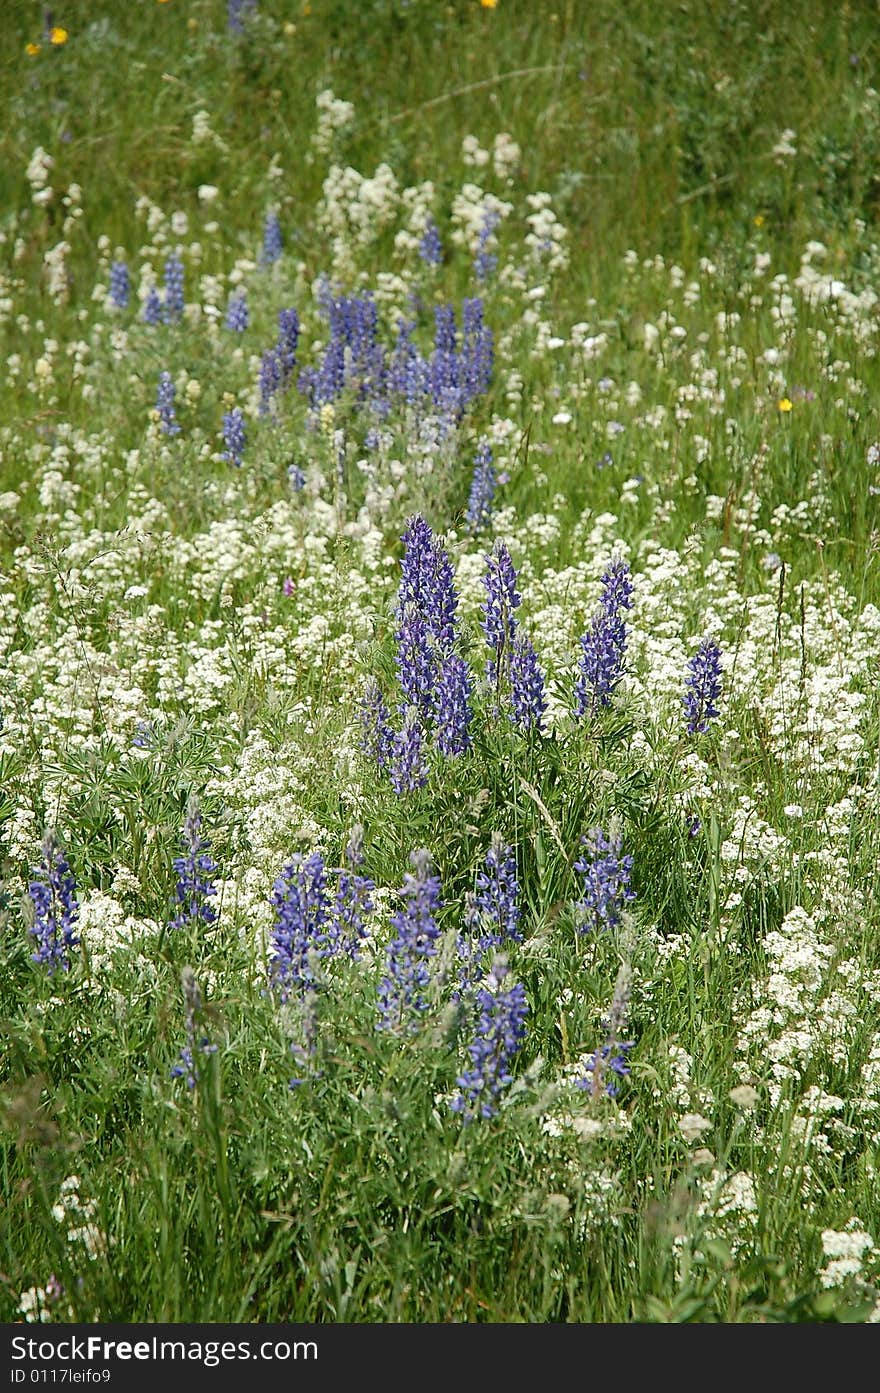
point(439, 478)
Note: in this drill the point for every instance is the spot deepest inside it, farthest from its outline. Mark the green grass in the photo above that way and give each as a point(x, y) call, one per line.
point(720, 435)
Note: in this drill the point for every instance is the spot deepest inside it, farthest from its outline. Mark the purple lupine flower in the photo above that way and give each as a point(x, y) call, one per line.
point(452, 712)
point(408, 373)
point(527, 700)
point(295, 477)
point(430, 248)
point(144, 736)
point(702, 687)
point(408, 768)
point(168, 423)
point(417, 564)
point(152, 307)
point(445, 366)
point(485, 262)
point(606, 873)
point(415, 940)
point(302, 917)
point(172, 309)
point(353, 360)
point(377, 736)
point(498, 624)
point(415, 663)
point(52, 894)
point(477, 352)
point(603, 646)
point(269, 380)
point(493, 912)
point(120, 285)
point(236, 12)
point(607, 1065)
point(482, 488)
point(273, 243)
point(288, 340)
point(196, 1038)
point(237, 317)
point(439, 599)
point(234, 436)
point(500, 1031)
point(195, 876)
point(353, 903)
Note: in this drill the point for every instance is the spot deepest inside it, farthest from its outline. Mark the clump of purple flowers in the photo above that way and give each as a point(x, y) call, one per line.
point(195, 888)
point(120, 285)
point(500, 1031)
point(165, 394)
point(603, 646)
point(153, 307)
point(493, 912)
point(512, 670)
point(185, 1067)
point(269, 379)
point(286, 346)
point(377, 735)
point(234, 436)
point(499, 624)
point(52, 894)
point(430, 248)
point(172, 309)
point(409, 770)
point(236, 12)
point(606, 872)
point(483, 486)
point(237, 317)
point(415, 941)
point(302, 916)
point(702, 687)
point(527, 700)
point(273, 243)
point(353, 903)
point(485, 262)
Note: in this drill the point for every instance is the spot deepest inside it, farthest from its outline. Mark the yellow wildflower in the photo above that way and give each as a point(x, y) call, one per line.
point(488, 4)
point(784, 404)
point(32, 50)
point(758, 220)
point(58, 36)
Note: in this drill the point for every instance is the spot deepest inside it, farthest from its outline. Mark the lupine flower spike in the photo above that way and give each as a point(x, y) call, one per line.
point(195, 887)
point(430, 248)
point(702, 687)
point(482, 489)
point(273, 243)
point(53, 898)
point(606, 872)
point(168, 423)
point(153, 307)
point(120, 285)
point(353, 904)
point(501, 1029)
point(603, 646)
point(415, 941)
point(237, 312)
point(302, 917)
point(234, 436)
point(172, 309)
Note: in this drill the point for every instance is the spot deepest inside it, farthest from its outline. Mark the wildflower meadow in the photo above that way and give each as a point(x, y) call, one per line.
point(439, 656)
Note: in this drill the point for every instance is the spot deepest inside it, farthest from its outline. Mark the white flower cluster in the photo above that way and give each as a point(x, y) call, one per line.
point(335, 117)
